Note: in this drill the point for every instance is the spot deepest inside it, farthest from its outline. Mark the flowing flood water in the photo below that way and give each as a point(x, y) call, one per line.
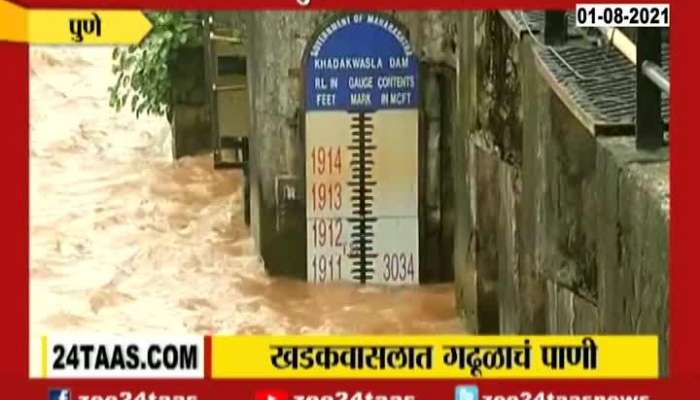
point(126, 240)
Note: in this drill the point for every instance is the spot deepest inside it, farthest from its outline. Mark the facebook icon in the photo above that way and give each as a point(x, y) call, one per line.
point(59, 394)
point(467, 392)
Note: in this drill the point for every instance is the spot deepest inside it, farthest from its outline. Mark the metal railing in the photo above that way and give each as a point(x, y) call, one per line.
point(652, 80)
point(236, 146)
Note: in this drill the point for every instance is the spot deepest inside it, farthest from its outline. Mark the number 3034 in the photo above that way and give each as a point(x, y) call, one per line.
point(398, 266)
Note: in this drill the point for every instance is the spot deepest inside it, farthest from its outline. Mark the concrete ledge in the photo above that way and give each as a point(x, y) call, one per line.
point(633, 240)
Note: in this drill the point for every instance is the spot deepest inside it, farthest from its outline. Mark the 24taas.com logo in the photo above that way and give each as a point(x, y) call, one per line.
point(59, 394)
point(467, 392)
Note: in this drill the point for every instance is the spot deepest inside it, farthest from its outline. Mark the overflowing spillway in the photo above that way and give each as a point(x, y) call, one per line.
point(125, 240)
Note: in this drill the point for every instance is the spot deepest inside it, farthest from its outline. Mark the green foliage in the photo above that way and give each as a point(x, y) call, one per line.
point(143, 80)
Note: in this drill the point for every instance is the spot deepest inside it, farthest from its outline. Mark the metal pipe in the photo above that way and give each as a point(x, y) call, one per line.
point(629, 50)
point(227, 39)
point(621, 42)
point(656, 75)
point(216, 88)
point(649, 122)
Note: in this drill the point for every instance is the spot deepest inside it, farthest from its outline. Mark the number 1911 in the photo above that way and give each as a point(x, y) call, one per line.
point(326, 267)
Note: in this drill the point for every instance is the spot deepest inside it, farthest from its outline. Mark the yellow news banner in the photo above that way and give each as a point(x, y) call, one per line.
point(18, 24)
point(439, 356)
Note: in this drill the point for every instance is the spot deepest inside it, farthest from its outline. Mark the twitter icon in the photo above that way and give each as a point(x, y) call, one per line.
point(466, 392)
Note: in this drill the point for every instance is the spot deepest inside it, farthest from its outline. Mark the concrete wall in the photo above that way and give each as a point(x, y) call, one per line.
point(191, 128)
point(633, 240)
point(276, 146)
point(488, 157)
point(557, 231)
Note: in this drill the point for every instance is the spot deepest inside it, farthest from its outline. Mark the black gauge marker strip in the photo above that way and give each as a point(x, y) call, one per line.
point(362, 221)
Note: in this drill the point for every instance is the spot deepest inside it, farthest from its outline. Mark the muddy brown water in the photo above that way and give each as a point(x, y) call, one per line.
point(125, 240)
